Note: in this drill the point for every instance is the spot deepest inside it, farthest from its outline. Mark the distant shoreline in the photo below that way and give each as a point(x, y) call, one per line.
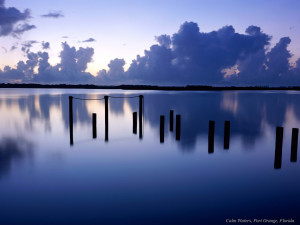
point(150, 87)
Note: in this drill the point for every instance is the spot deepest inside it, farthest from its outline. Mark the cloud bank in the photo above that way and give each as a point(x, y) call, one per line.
point(189, 56)
point(71, 68)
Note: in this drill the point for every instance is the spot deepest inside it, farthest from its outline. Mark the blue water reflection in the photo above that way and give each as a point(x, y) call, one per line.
point(127, 180)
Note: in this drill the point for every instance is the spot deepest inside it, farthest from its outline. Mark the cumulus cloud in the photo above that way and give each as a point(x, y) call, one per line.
point(89, 40)
point(189, 56)
point(53, 14)
point(20, 29)
point(10, 17)
point(268, 68)
point(115, 74)
point(71, 68)
point(45, 45)
point(10, 75)
point(164, 40)
point(26, 45)
point(14, 47)
point(194, 57)
point(221, 57)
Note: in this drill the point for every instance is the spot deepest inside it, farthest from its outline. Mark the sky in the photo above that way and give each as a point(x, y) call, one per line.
point(109, 38)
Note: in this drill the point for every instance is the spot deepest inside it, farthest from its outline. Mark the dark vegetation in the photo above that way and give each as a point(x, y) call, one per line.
point(150, 87)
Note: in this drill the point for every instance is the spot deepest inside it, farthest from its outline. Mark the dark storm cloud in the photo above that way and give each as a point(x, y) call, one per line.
point(89, 40)
point(45, 45)
point(9, 17)
point(53, 14)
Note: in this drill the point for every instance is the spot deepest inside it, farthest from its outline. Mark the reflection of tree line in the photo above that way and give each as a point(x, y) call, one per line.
point(246, 111)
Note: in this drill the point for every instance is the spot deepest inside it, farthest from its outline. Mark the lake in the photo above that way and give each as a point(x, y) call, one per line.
point(134, 178)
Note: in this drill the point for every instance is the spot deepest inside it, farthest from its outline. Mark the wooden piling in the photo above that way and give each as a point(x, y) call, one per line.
point(178, 127)
point(71, 119)
point(141, 116)
point(106, 117)
point(226, 134)
point(294, 145)
point(134, 127)
point(171, 119)
point(94, 125)
point(211, 136)
point(278, 147)
point(162, 129)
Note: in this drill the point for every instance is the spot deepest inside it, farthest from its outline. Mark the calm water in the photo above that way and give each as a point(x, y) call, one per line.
point(128, 180)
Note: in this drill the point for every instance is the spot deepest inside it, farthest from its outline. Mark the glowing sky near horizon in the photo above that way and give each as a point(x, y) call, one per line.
point(124, 29)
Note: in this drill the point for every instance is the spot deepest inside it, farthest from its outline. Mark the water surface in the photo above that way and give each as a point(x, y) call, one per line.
point(132, 180)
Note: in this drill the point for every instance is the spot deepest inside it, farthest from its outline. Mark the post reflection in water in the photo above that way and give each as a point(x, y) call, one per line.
point(162, 129)
point(294, 145)
point(211, 136)
point(242, 127)
point(226, 134)
point(71, 119)
point(247, 117)
point(106, 117)
point(94, 125)
point(131, 171)
point(141, 104)
point(134, 117)
point(278, 147)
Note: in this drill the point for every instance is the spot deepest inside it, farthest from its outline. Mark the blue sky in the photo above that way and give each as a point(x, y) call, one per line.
point(124, 29)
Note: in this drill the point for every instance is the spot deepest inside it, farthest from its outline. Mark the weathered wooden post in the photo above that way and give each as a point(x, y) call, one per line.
point(141, 116)
point(211, 136)
point(171, 119)
point(294, 145)
point(94, 125)
point(106, 117)
point(178, 127)
point(134, 128)
point(278, 147)
point(162, 129)
point(71, 119)
point(226, 134)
